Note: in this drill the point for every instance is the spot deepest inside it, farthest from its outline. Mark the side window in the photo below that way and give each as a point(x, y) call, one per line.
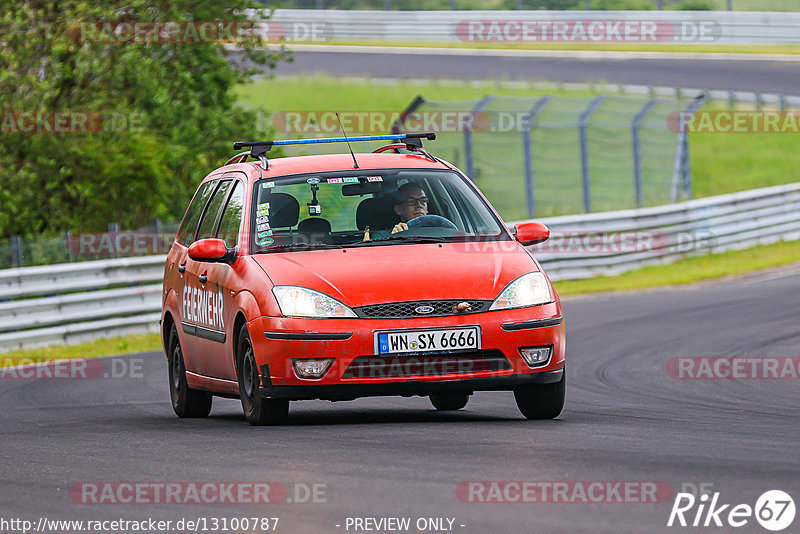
point(229, 227)
point(189, 225)
point(208, 224)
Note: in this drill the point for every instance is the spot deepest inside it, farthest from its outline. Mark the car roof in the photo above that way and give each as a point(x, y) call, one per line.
point(330, 163)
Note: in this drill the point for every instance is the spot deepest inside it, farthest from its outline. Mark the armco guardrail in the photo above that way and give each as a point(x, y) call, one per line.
point(74, 302)
point(704, 27)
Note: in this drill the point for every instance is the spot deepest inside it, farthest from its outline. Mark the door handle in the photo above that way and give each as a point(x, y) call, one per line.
point(203, 278)
point(182, 268)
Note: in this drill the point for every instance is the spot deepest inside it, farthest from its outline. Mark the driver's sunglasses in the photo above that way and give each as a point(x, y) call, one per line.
point(411, 201)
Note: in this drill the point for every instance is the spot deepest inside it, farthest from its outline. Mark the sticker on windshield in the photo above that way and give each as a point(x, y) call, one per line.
point(265, 241)
point(262, 235)
point(335, 180)
point(374, 178)
point(262, 227)
point(267, 185)
point(350, 180)
point(262, 220)
point(262, 211)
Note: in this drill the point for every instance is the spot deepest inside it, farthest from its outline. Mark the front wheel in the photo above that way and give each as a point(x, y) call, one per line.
point(257, 410)
point(185, 402)
point(542, 401)
point(449, 401)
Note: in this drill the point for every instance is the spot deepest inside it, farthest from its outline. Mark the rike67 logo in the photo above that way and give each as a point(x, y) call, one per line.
point(774, 510)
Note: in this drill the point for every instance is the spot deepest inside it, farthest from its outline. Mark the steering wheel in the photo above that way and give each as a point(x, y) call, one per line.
point(431, 221)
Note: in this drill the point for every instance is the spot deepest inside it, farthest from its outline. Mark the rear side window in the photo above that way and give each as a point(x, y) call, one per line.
point(189, 225)
point(229, 226)
point(208, 225)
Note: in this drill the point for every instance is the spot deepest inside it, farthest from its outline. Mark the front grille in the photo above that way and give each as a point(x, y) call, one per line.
point(409, 309)
point(427, 365)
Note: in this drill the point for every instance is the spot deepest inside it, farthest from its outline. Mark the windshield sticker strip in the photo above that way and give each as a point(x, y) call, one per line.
point(374, 178)
point(335, 180)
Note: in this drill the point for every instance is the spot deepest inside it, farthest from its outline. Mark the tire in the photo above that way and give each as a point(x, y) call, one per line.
point(541, 401)
point(186, 403)
point(257, 410)
point(446, 402)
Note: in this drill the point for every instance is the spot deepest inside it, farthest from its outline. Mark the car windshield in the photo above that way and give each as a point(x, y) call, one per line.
point(369, 208)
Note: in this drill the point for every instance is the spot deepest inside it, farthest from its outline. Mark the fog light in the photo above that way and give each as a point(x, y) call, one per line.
point(311, 369)
point(536, 356)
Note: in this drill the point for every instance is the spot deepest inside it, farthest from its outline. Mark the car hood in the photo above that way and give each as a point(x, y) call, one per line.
point(398, 273)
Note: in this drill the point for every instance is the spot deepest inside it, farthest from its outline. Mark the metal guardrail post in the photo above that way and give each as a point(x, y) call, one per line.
point(16, 250)
point(783, 104)
point(583, 122)
point(637, 153)
point(468, 155)
point(527, 149)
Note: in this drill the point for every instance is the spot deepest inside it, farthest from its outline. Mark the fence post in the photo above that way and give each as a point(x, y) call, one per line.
point(527, 123)
point(113, 230)
point(68, 242)
point(783, 104)
point(16, 250)
point(637, 153)
point(468, 155)
point(682, 173)
point(583, 122)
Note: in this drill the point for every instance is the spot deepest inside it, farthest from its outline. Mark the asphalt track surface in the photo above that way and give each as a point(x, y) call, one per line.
point(625, 419)
point(723, 74)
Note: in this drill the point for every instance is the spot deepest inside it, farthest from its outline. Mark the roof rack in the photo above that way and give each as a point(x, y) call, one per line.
point(259, 149)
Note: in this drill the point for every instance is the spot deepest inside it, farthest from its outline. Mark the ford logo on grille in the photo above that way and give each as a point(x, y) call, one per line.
point(424, 309)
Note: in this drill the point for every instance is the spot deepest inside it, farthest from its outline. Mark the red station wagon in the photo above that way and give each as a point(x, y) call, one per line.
point(350, 275)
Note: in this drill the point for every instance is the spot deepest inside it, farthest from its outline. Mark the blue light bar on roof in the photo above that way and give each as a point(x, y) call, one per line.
point(390, 137)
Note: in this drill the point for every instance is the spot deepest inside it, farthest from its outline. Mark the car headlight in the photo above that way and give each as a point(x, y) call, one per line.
point(529, 289)
point(303, 302)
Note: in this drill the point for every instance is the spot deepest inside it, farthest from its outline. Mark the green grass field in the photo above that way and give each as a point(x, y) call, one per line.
point(91, 349)
point(721, 163)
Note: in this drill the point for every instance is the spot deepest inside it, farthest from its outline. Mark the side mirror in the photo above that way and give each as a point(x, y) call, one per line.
point(531, 233)
point(212, 251)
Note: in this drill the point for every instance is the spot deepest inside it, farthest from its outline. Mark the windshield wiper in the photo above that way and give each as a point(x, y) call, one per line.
point(413, 239)
point(299, 246)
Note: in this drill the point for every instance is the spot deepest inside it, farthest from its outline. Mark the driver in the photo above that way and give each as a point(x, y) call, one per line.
point(412, 204)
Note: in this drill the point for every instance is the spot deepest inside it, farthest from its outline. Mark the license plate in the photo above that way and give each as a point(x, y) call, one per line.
point(438, 340)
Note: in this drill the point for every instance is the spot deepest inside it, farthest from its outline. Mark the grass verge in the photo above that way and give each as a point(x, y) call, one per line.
point(692, 48)
point(91, 349)
point(689, 270)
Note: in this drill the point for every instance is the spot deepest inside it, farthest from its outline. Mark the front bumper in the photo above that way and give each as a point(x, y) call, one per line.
point(277, 340)
point(342, 392)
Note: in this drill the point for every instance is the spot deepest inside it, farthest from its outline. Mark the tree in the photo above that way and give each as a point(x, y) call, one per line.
point(146, 115)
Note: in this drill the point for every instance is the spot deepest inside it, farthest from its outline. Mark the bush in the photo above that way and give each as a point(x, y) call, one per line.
point(180, 95)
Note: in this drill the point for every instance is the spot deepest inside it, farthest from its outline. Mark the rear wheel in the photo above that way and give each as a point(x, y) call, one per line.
point(449, 401)
point(257, 410)
point(542, 401)
point(185, 402)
